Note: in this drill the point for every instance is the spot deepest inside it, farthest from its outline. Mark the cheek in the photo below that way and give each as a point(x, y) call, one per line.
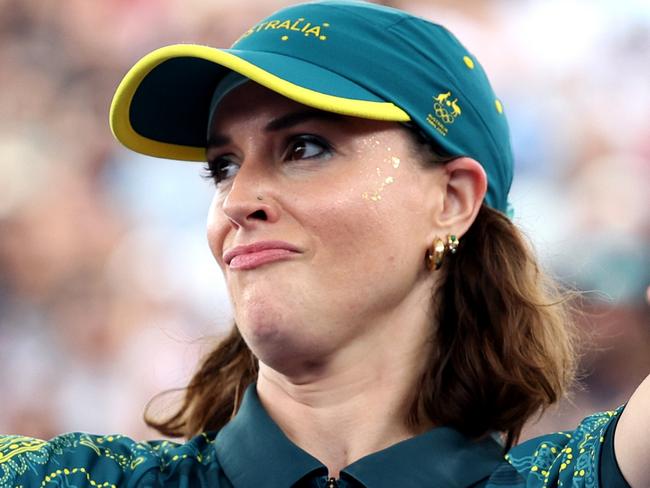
point(357, 233)
point(383, 235)
point(216, 229)
point(376, 211)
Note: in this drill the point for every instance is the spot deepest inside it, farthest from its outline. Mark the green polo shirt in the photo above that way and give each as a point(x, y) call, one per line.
point(251, 452)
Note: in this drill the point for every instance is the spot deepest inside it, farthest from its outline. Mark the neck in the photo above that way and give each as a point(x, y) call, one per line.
point(345, 407)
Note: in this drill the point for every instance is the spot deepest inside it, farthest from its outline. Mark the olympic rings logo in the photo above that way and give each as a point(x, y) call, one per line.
point(443, 114)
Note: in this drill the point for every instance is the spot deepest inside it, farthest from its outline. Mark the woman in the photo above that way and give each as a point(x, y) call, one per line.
point(392, 328)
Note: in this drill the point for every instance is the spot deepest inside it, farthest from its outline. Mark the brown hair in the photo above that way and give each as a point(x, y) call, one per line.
point(503, 346)
point(213, 395)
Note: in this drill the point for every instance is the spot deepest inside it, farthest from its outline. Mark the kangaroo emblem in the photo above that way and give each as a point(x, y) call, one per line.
point(445, 109)
point(455, 108)
point(443, 97)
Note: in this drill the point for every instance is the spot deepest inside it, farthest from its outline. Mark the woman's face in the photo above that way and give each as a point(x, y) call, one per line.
point(337, 215)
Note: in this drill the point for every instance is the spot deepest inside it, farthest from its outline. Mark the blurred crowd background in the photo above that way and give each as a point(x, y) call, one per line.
point(108, 292)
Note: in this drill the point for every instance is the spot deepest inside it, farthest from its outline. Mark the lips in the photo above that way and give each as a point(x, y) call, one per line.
point(253, 255)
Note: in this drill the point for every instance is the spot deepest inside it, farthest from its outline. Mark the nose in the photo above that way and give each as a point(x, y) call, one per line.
point(250, 201)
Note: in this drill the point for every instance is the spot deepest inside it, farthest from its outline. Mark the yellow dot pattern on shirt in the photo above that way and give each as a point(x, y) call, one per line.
point(498, 105)
point(27, 456)
point(99, 447)
point(469, 62)
point(284, 38)
point(555, 462)
point(11, 446)
point(51, 478)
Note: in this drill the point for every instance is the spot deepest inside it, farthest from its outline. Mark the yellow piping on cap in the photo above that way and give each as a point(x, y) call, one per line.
point(124, 132)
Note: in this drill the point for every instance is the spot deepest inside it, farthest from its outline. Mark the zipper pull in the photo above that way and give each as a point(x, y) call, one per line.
point(331, 483)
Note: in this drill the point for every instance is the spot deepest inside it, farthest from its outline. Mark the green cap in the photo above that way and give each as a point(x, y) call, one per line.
point(350, 57)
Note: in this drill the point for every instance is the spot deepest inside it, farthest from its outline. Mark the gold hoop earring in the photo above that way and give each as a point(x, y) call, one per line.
point(436, 253)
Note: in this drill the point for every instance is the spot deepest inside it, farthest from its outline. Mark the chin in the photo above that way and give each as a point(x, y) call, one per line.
point(262, 325)
point(263, 333)
point(285, 347)
point(262, 313)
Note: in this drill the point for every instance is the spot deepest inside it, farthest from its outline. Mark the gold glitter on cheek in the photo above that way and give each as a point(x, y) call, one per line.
point(373, 195)
point(376, 194)
point(393, 161)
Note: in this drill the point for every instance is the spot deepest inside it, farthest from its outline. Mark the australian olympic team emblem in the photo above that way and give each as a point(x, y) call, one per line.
point(445, 112)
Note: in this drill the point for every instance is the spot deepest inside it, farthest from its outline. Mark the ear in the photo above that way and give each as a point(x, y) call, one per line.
point(466, 184)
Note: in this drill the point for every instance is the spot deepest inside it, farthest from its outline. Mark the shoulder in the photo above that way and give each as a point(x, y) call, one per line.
point(580, 457)
point(79, 459)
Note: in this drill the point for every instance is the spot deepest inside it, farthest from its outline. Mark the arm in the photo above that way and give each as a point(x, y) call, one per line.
point(632, 438)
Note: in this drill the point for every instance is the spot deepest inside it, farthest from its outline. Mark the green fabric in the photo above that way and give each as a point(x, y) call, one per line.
point(251, 452)
point(353, 50)
point(610, 473)
point(573, 458)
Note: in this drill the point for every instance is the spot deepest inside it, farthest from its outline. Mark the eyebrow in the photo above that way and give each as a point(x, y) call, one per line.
point(291, 119)
point(283, 122)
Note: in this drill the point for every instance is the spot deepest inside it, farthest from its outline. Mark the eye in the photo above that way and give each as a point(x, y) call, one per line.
point(307, 146)
point(220, 169)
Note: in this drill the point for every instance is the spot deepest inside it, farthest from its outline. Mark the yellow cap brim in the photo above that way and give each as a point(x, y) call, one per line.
point(121, 107)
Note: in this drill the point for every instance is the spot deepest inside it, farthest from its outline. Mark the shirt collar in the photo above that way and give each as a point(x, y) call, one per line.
point(442, 456)
point(253, 450)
